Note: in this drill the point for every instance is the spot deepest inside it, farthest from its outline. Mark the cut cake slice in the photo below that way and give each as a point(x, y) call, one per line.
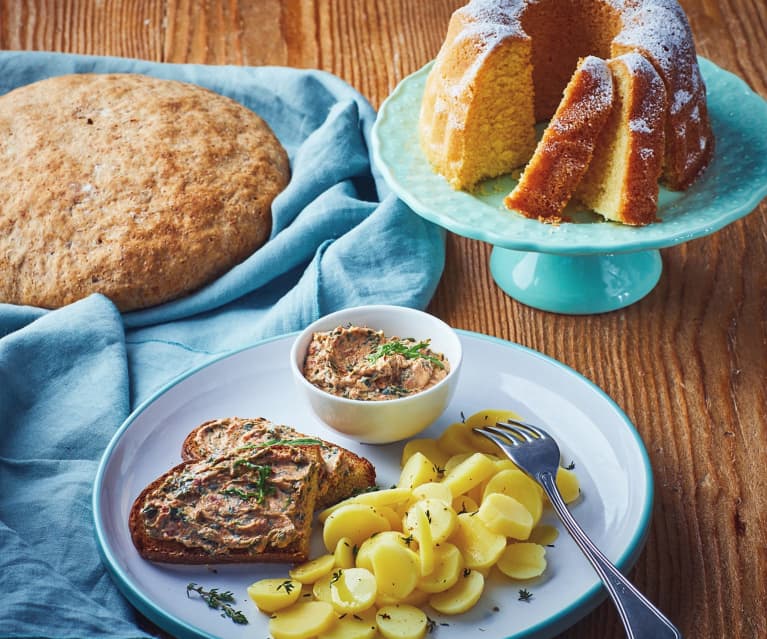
point(564, 152)
point(621, 183)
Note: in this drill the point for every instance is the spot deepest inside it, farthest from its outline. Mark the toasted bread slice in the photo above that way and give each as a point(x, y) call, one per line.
point(250, 505)
point(343, 474)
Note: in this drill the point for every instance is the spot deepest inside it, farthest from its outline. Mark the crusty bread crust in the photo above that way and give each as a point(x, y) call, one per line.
point(160, 543)
point(136, 187)
point(342, 474)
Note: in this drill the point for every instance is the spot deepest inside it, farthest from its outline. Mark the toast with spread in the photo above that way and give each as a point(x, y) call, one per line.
point(342, 473)
point(253, 504)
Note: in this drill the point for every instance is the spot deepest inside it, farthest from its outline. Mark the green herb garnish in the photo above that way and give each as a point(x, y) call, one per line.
point(300, 441)
point(407, 350)
point(261, 487)
point(288, 585)
point(218, 601)
point(525, 595)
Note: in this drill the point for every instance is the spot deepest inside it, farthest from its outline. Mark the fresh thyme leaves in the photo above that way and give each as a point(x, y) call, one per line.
point(525, 595)
point(218, 601)
point(406, 349)
point(430, 624)
point(336, 576)
point(288, 585)
point(570, 466)
point(407, 540)
point(261, 487)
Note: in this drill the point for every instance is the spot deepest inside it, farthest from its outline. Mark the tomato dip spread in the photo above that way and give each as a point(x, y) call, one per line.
point(361, 363)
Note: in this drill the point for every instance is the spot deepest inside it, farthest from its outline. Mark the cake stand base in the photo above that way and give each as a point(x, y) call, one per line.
point(576, 284)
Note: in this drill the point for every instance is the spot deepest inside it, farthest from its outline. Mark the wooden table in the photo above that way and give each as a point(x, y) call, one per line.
point(688, 363)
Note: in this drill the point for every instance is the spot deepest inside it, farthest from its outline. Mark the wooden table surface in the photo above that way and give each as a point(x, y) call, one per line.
point(688, 363)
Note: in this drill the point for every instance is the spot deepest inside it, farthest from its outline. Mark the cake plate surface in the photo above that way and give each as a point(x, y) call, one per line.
point(588, 265)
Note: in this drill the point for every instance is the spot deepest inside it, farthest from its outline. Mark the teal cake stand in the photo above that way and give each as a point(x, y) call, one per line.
point(588, 265)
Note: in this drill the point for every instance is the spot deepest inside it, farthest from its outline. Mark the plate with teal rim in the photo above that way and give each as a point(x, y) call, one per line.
point(609, 459)
point(591, 265)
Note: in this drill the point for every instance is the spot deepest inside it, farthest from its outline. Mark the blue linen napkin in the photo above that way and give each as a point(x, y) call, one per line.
point(70, 377)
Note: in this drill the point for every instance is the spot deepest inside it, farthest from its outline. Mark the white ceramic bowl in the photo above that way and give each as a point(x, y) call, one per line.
point(385, 421)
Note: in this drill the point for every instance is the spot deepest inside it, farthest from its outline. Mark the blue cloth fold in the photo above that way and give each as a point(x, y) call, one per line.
point(70, 377)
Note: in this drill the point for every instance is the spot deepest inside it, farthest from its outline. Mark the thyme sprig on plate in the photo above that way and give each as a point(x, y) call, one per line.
point(218, 601)
point(405, 348)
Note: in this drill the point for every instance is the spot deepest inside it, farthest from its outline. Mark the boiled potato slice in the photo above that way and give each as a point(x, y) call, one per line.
point(454, 460)
point(440, 517)
point(462, 596)
point(506, 516)
point(321, 589)
point(271, 595)
point(464, 504)
point(490, 416)
point(416, 598)
point(363, 558)
point(310, 571)
point(567, 482)
point(419, 469)
point(355, 522)
point(448, 566)
point(432, 490)
point(423, 536)
point(361, 625)
point(375, 498)
point(454, 440)
point(523, 560)
point(353, 590)
point(544, 535)
point(395, 566)
point(480, 546)
point(519, 486)
point(394, 518)
point(302, 620)
point(343, 555)
point(401, 622)
point(428, 447)
point(469, 473)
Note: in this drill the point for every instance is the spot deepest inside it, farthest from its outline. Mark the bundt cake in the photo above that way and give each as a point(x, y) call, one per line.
point(505, 63)
point(621, 183)
point(564, 152)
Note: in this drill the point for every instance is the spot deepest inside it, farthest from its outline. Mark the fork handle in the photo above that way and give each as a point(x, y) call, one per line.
point(641, 619)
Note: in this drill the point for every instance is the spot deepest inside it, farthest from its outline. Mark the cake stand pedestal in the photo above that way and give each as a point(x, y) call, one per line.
point(575, 284)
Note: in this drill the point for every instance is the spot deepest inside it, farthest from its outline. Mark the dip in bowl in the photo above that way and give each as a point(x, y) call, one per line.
point(378, 373)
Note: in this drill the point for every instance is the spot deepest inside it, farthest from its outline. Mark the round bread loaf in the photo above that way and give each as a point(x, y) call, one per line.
point(139, 188)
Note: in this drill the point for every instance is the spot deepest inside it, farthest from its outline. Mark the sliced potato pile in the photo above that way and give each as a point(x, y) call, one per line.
point(459, 509)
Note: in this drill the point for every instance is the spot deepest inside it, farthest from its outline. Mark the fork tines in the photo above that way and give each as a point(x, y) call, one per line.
point(513, 432)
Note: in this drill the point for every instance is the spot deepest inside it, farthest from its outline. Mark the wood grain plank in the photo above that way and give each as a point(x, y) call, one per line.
point(688, 364)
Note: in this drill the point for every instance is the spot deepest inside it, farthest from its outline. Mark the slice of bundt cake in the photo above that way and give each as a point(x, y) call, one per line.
point(567, 146)
point(621, 183)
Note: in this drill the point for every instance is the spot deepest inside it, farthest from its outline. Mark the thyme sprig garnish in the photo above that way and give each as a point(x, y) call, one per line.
point(406, 349)
point(525, 595)
point(218, 601)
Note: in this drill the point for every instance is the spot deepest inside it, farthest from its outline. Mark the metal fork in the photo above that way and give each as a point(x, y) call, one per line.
point(535, 452)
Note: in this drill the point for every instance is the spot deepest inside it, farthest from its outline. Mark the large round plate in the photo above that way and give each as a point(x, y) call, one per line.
point(610, 460)
point(732, 186)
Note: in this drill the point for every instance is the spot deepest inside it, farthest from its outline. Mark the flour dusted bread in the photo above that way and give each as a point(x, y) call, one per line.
point(135, 187)
point(253, 505)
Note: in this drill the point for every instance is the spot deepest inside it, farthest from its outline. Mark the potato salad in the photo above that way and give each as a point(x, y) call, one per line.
point(459, 510)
